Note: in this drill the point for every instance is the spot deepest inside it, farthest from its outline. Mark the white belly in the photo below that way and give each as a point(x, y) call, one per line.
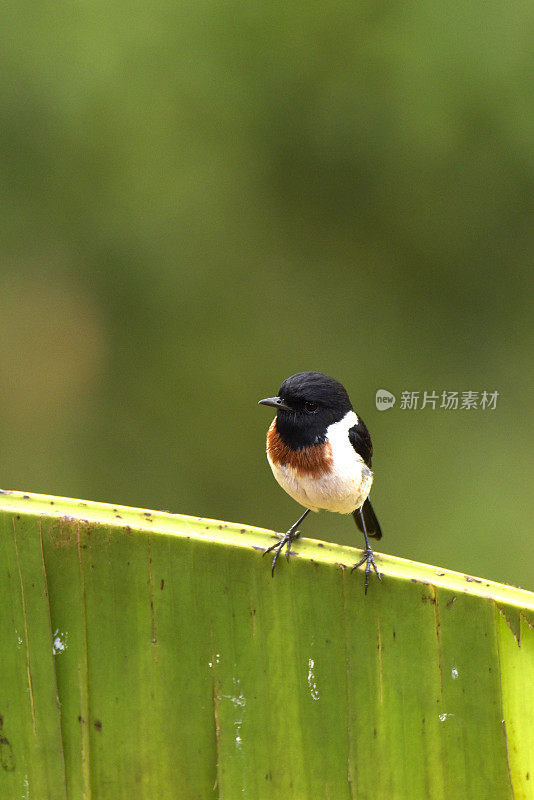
point(343, 489)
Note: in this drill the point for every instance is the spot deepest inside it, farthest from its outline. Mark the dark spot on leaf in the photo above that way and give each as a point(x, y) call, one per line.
point(243, 530)
point(26, 496)
point(118, 516)
point(469, 579)
point(320, 544)
point(374, 733)
point(7, 758)
point(161, 584)
point(98, 725)
point(451, 601)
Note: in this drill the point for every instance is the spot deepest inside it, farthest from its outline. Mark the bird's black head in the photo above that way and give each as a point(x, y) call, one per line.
point(307, 404)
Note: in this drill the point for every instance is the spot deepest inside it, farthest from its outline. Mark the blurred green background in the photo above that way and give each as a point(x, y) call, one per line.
point(200, 199)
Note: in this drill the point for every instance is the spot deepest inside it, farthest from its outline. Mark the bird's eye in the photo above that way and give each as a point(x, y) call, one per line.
point(310, 407)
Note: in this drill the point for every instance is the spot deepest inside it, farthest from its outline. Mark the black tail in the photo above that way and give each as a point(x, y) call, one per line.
point(371, 522)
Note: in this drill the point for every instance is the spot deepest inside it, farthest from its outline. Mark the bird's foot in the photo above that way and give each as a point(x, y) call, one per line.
point(286, 541)
point(369, 561)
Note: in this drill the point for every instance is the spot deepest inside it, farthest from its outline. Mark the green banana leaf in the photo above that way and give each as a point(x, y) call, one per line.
point(147, 655)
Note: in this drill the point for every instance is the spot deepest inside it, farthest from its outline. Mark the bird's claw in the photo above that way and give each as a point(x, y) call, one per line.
point(286, 541)
point(369, 561)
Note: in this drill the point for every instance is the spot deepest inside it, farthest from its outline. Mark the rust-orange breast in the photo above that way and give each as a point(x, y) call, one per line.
point(313, 461)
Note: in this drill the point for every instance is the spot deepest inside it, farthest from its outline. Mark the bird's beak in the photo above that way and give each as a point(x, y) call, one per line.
point(275, 402)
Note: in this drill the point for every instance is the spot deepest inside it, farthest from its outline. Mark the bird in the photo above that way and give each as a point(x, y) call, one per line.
point(320, 452)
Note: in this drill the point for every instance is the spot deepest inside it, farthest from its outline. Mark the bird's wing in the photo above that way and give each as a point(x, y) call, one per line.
point(360, 439)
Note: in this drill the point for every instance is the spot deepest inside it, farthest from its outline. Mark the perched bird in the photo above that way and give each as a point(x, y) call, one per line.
point(320, 452)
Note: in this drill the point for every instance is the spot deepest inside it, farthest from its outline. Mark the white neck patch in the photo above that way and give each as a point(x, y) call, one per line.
point(342, 427)
point(338, 435)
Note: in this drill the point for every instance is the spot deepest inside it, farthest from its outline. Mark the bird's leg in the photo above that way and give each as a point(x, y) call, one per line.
point(368, 557)
point(286, 539)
